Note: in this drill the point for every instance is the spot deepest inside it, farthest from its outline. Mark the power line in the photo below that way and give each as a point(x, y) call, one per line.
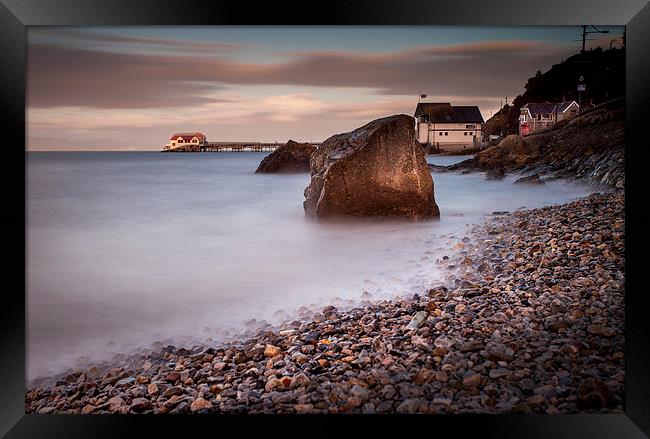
point(586, 32)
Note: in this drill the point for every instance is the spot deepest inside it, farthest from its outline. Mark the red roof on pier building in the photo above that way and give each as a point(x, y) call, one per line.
point(188, 136)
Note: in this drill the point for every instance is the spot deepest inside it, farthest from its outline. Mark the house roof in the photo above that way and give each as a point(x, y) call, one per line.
point(537, 108)
point(187, 136)
point(546, 108)
point(468, 113)
point(563, 106)
point(440, 112)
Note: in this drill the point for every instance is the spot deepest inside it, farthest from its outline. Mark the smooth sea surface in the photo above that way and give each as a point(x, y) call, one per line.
point(128, 248)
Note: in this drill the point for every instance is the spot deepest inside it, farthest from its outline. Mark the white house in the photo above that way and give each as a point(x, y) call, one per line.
point(448, 128)
point(536, 116)
point(192, 140)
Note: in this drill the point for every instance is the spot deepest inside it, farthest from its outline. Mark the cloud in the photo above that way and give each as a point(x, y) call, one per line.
point(60, 77)
point(464, 69)
point(67, 37)
point(233, 110)
point(64, 76)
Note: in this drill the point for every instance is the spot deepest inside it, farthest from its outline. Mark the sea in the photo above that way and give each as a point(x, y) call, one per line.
point(126, 249)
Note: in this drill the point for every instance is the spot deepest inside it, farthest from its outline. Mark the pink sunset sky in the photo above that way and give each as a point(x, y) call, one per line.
point(130, 88)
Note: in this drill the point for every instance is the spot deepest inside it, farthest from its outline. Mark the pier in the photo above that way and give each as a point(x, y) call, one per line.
point(226, 147)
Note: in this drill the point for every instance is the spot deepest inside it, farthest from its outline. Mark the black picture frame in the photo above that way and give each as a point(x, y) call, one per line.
point(16, 15)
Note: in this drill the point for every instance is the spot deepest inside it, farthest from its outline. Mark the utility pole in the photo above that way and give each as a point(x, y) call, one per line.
point(586, 32)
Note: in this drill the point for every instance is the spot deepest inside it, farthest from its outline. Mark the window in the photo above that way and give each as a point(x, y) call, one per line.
point(465, 133)
point(180, 140)
point(446, 133)
point(441, 133)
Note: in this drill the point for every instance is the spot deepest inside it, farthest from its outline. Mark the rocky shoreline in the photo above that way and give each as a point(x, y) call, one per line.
point(588, 147)
point(604, 170)
point(530, 319)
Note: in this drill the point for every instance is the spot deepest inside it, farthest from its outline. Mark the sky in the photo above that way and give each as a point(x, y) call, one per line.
point(130, 88)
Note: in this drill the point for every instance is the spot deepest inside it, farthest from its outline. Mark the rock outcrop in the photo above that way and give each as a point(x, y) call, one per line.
point(495, 174)
point(529, 179)
point(377, 170)
point(290, 158)
point(590, 146)
point(511, 152)
point(606, 168)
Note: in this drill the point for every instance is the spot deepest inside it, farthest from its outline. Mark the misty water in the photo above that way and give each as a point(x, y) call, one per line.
point(125, 249)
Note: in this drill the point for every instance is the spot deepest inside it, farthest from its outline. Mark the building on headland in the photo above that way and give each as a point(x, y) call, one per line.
point(442, 127)
point(535, 116)
point(189, 141)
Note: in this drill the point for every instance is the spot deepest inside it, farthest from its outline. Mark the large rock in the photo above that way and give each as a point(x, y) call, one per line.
point(513, 151)
point(377, 170)
point(292, 157)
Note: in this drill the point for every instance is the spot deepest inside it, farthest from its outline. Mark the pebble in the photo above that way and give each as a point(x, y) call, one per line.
point(176, 390)
point(300, 380)
point(495, 374)
point(472, 380)
point(125, 382)
point(140, 404)
point(271, 351)
point(115, 402)
point(361, 392)
point(200, 404)
point(530, 319)
point(152, 389)
point(417, 320)
point(500, 353)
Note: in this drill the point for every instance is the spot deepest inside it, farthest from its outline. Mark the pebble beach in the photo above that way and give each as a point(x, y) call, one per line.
point(530, 319)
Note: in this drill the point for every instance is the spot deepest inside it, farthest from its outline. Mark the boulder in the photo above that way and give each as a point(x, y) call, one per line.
point(378, 170)
point(513, 151)
point(289, 158)
point(495, 174)
point(529, 179)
